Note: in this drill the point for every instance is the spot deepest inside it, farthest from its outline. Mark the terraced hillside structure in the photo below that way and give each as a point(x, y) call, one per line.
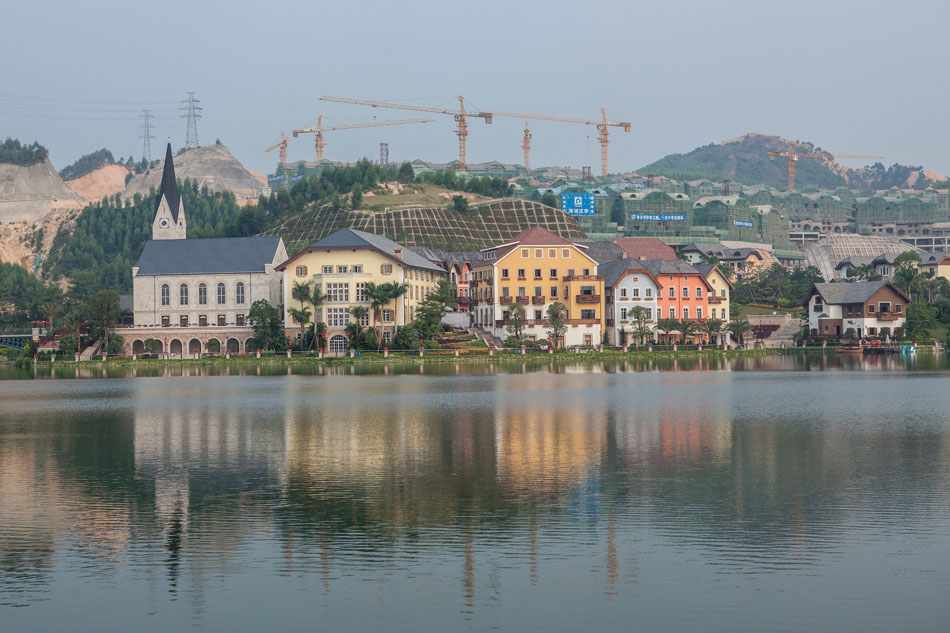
point(481, 226)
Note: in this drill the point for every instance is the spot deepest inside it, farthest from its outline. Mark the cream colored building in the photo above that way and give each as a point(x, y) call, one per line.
point(720, 291)
point(342, 264)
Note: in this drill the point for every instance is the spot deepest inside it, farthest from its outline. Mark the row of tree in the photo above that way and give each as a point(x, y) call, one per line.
point(15, 153)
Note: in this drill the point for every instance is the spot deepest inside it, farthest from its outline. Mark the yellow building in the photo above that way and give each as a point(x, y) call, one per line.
point(342, 264)
point(535, 269)
point(720, 291)
point(936, 263)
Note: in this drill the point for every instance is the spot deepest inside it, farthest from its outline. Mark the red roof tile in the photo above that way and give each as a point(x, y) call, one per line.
point(645, 248)
point(539, 236)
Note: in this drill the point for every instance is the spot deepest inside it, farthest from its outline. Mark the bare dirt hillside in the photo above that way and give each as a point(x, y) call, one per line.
point(28, 194)
point(213, 166)
point(24, 244)
point(107, 180)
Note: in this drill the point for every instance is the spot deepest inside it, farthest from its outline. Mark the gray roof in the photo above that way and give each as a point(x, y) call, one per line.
point(857, 292)
point(720, 251)
point(601, 251)
point(351, 238)
point(215, 255)
point(614, 270)
point(669, 267)
point(438, 255)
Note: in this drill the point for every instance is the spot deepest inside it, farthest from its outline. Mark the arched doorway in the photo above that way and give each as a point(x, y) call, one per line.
point(138, 346)
point(194, 346)
point(338, 344)
point(234, 346)
point(174, 347)
point(213, 346)
point(250, 346)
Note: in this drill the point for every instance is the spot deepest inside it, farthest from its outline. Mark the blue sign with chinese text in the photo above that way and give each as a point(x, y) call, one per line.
point(742, 223)
point(578, 204)
point(665, 217)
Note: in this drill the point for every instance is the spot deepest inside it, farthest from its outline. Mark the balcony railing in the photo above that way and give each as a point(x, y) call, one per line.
point(888, 316)
point(587, 298)
point(505, 300)
point(584, 278)
point(713, 299)
point(524, 300)
point(537, 300)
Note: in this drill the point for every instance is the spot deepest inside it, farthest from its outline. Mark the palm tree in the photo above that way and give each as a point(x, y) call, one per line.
point(711, 327)
point(358, 312)
point(302, 316)
point(687, 328)
point(666, 326)
point(393, 292)
point(378, 297)
point(316, 299)
point(738, 329)
point(75, 319)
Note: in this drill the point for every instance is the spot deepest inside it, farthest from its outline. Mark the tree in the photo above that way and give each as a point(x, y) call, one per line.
point(265, 319)
point(554, 317)
point(75, 319)
point(516, 321)
point(920, 319)
point(711, 327)
point(393, 291)
point(641, 317)
point(666, 326)
point(550, 200)
point(459, 203)
point(302, 317)
point(355, 328)
point(738, 329)
point(406, 175)
point(104, 312)
point(687, 329)
point(316, 301)
point(356, 196)
point(378, 297)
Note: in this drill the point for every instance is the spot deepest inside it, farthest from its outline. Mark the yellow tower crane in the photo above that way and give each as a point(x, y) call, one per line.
point(461, 115)
point(282, 144)
point(793, 157)
point(603, 126)
point(319, 130)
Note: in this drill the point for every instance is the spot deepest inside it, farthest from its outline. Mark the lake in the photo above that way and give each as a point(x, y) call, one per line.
point(769, 493)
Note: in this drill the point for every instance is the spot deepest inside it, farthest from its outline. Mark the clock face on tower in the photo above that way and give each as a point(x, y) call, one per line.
point(163, 223)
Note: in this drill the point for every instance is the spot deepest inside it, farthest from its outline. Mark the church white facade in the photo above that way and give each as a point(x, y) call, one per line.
point(194, 296)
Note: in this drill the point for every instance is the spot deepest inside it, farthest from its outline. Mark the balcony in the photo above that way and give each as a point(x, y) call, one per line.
point(888, 316)
point(715, 300)
point(523, 300)
point(537, 300)
point(505, 300)
point(587, 298)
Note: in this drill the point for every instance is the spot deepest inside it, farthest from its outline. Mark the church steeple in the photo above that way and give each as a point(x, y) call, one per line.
point(169, 221)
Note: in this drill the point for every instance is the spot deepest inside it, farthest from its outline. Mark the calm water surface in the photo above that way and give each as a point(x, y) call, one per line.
point(626, 496)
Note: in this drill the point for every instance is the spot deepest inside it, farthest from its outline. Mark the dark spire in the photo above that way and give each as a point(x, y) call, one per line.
point(169, 187)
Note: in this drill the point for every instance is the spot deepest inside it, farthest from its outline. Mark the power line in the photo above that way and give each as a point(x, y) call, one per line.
point(146, 136)
point(192, 113)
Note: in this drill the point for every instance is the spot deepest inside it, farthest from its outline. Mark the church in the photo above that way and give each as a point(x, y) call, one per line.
point(193, 296)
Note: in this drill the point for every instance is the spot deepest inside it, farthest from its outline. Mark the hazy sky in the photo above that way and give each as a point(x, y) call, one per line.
point(854, 77)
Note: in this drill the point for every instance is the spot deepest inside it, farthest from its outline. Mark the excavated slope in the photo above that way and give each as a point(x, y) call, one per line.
point(107, 180)
point(214, 166)
point(28, 194)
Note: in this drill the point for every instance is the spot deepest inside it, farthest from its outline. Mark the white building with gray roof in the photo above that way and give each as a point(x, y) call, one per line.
point(194, 296)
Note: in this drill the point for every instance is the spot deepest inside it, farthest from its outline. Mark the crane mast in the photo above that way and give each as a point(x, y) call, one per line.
point(461, 117)
point(320, 143)
point(793, 157)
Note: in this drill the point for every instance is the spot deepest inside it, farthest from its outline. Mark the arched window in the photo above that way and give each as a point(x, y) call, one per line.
point(202, 294)
point(221, 294)
point(183, 295)
point(239, 295)
point(166, 298)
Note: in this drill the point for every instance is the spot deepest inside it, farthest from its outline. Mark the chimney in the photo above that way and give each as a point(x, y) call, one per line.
point(397, 252)
point(623, 255)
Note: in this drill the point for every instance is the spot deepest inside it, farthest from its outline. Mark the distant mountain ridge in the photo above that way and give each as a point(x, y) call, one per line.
point(745, 160)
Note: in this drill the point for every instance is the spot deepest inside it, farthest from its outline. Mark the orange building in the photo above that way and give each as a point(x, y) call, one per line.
point(684, 291)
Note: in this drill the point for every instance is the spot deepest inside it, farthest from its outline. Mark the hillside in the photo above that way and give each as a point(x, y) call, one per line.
point(213, 166)
point(745, 160)
point(482, 225)
point(106, 180)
